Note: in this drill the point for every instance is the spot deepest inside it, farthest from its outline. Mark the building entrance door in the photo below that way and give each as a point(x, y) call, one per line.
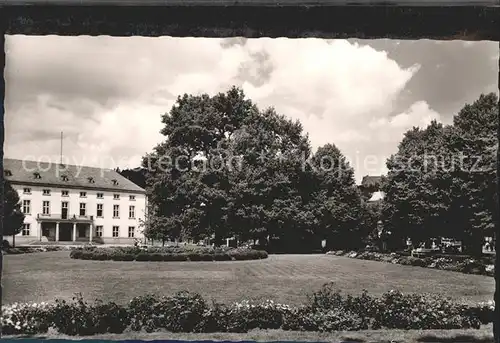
point(65, 232)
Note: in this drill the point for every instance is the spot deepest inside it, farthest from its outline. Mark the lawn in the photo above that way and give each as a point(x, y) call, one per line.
point(483, 335)
point(284, 278)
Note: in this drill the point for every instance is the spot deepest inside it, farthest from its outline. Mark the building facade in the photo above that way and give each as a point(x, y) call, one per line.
point(68, 203)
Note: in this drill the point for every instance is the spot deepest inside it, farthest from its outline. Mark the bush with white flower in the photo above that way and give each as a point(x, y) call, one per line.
point(479, 266)
point(326, 310)
point(27, 318)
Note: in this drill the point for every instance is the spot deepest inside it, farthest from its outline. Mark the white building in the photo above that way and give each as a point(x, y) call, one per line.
point(68, 203)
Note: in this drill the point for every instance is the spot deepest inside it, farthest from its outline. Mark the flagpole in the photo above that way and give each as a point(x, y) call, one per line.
point(61, 147)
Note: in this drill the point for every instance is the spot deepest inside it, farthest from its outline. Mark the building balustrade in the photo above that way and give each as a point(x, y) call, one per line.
point(61, 217)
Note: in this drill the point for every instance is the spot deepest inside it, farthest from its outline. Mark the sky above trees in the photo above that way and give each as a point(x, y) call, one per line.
point(107, 94)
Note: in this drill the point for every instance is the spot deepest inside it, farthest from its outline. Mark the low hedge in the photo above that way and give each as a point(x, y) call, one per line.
point(167, 254)
point(326, 310)
point(30, 250)
point(462, 264)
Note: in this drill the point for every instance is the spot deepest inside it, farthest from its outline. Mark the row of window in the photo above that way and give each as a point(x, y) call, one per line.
point(98, 231)
point(82, 194)
point(83, 209)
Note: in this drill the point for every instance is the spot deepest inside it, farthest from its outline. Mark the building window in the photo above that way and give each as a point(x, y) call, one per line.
point(116, 196)
point(131, 230)
point(26, 230)
point(65, 193)
point(46, 192)
point(116, 230)
point(131, 212)
point(116, 211)
point(27, 190)
point(98, 231)
point(83, 194)
point(131, 197)
point(83, 209)
point(99, 210)
point(46, 208)
point(100, 195)
point(26, 206)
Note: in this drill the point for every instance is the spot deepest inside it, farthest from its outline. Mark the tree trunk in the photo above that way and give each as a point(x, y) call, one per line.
point(14, 241)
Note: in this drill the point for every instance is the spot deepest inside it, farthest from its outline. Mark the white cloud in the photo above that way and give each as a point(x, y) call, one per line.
point(108, 93)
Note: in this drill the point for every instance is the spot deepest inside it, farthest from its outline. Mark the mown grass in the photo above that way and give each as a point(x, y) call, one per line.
point(483, 335)
point(283, 278)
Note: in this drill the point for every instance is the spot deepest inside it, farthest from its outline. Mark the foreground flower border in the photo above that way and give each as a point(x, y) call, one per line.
point(462, 265)
point(326, 311)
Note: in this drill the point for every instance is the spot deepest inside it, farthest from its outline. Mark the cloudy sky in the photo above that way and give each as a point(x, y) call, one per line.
point(107, 93)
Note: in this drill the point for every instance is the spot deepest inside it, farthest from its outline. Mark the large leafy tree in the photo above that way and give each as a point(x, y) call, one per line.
point(233, 169)
point(473, 191)
point(338, 199)
point(13, 218)
point(137, 176)
point(442, 180)
point(187, 174)
point(415, 188)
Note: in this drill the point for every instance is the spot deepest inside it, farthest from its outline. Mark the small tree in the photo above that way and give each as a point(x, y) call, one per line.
point(13, 218)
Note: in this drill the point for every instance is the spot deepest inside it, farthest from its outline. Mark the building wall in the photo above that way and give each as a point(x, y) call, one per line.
point(106, 221)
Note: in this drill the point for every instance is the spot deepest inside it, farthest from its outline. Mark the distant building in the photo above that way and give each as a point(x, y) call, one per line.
point(371, 188)
point(69, 203)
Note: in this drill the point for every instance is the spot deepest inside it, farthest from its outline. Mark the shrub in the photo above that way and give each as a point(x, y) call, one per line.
point(327, 310)
point(28, 319)
point(243, 254)
point(78, 318)
point(142, 256)
point(141, 313)
point(415, 311)
point(5, 244)
point(116, 256)
point(156, 257)
point(180, 257)
point(184, 312)
point(221, 256)
point(412, 261)
point(457, 263)
point(166, 254)
point(77, 254)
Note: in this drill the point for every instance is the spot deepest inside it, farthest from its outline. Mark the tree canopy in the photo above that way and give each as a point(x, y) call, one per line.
point(442, 180)
point(228, 168)
point(13, 218)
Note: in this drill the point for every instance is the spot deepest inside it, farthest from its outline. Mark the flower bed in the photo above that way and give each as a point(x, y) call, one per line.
point(166, 254)
point(326, 311)
point(463, 264)
point(30, 250)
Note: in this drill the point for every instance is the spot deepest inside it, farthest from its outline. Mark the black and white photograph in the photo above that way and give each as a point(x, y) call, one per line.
point(267, 189)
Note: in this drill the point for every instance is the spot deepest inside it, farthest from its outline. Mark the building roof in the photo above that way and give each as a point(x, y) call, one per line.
point(377, 196)
point(66, 176)
point(369, 181)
